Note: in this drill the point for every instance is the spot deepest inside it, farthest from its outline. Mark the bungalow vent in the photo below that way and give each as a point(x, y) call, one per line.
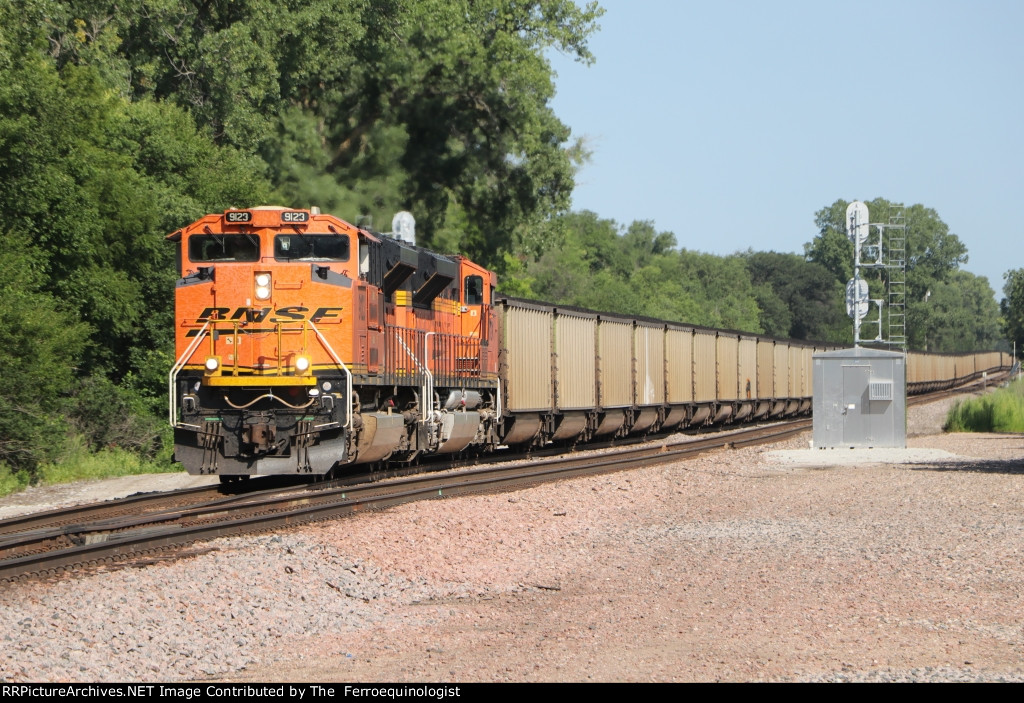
point(880, 390)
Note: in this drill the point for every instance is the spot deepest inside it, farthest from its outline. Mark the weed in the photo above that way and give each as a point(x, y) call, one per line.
point(1002, 411)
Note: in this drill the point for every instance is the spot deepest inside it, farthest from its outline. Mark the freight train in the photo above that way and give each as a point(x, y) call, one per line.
point(305, 344)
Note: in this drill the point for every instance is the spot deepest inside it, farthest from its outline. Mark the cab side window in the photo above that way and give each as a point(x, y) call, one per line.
point(474, 293)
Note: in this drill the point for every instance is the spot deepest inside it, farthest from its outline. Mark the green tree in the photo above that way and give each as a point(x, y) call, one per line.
point(797, 298)
point(120, 122)
point(367, 106)
point(93, 182)
point(98, 181)
point(720, 287)
point(959, 315)
point(40, 345)
point(1012, 308)
point(639, 271)
point(831, 248)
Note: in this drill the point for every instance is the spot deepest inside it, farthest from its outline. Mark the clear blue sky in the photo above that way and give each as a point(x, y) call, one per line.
point(731, 123)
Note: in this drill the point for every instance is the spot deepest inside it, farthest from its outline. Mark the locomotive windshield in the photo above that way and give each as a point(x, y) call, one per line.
point(311, 247)
point(223, 247)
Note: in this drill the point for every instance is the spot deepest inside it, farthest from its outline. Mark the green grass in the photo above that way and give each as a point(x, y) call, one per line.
point(12, 481)
point(78, 463)
point(1001, 411)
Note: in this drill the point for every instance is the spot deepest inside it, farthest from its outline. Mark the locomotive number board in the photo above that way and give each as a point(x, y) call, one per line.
point(245, 217)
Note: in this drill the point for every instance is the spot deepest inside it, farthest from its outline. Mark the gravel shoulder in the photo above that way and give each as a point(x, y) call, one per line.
point(734, 566)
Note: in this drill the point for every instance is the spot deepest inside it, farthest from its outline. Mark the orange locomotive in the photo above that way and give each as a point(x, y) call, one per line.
point(304, 343)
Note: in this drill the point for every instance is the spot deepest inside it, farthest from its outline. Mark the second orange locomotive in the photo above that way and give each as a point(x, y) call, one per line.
point(303, 342)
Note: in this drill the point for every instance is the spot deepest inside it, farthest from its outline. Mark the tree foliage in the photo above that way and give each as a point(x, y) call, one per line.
point(39, 343)
point(1012, 307)
point(639, 271)
point(959, 315)
point(98, 181)
point(797, 298)
point(365, 107)
point(92, 183)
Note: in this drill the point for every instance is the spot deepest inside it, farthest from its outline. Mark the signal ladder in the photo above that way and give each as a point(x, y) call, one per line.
point(896, 268)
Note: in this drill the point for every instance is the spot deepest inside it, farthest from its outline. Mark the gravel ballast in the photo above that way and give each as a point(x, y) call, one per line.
point(738, 565)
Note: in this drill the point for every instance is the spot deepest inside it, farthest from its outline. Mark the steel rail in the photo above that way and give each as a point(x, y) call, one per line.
point(114, 540)
point(95, 511)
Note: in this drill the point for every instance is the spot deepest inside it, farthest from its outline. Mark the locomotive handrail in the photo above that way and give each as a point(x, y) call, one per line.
point(344, 368)
point(280, 328)
point(187, 354)
point(428, 390)
point(179, 364)
point(428, 400)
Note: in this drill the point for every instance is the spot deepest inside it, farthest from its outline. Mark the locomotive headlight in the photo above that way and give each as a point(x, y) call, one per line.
point(262, 286)
point(314, 392)
point(302, 364)
point(212, 364)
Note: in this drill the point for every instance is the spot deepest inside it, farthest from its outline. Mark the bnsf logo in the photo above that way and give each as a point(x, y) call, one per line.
point(290, 313)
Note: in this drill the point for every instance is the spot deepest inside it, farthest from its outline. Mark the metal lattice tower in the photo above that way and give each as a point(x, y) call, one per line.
point(888, 256)
point(896, 276)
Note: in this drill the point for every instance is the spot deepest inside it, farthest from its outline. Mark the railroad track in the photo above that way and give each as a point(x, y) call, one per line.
point(94, 512)
point(135, 528)
point(70, 545)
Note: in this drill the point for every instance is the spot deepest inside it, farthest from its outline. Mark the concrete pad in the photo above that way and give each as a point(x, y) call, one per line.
point(855, 457)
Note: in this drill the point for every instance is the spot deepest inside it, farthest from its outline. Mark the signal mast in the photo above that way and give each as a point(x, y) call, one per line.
point(889, 256)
